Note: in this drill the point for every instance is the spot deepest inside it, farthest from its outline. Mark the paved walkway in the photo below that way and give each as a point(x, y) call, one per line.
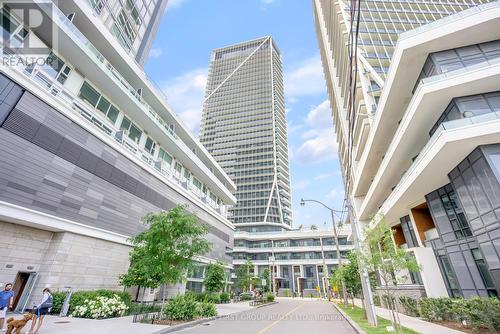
point(288, 316)
point(123, 325)
point(416, 324)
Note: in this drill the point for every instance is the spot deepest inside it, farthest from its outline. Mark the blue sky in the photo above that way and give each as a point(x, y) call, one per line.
point(179, 62)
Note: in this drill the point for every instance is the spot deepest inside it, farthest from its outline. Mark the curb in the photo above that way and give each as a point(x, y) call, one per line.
point(190, 324)
point(187, 325)
point(266, 304)
point(351, 322)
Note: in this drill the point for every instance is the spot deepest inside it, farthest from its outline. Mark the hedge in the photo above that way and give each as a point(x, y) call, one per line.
point(186, 307)
point(477, 312)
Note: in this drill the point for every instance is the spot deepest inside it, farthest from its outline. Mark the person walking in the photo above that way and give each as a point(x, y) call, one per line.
point(6, 302)
point(41, 310)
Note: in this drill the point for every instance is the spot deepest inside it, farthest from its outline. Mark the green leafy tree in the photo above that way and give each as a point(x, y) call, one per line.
point(264, 276)
point(349, 274)
point(390, 263)
point(164, 251)
point(243, 277)
point(215, 277)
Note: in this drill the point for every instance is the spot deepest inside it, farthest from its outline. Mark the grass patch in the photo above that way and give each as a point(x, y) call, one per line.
point(357, 315)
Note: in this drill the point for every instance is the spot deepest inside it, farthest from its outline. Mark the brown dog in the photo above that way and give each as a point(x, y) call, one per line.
point(18, 324)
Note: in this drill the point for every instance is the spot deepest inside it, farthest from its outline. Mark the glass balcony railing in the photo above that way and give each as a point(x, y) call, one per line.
point(71, 30)
point(76, 104)
point(455, 124)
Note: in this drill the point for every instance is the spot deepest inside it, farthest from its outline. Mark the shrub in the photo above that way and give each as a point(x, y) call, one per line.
point(181, 307)
point(100, 307)
point(224, 297)
point(57, 301)
point(78, 298)
point(246, 296)
point(206, 310)
point(376, 300)
point(410, 305)
point(436, 309)
point(482, 313)
point(213, 298)
point(388, 301)
point(269, 297)
point(477, 312)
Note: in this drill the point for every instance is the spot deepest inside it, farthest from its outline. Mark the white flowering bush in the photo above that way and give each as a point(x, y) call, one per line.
point(100, 307)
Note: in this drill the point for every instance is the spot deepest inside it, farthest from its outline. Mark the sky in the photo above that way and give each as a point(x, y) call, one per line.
point(179, 62)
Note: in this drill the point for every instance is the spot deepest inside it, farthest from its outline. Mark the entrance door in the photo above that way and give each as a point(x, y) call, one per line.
point(23, 287)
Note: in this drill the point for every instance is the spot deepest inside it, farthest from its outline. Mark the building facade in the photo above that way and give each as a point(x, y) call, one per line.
point(419, 147)
point(243, 126)
point(133, 23)
point(88, 146)
point(298, 261)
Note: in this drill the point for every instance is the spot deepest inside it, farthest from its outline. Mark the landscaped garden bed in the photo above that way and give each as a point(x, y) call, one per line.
point(357, 315)
point(474, 315)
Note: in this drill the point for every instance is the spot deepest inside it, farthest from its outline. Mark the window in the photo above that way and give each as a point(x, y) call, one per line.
point(178, 169)
point(449, 276)
point(132, 130)
point(132, 8)
point(197, 184)
point(456, 215)
point(150, 146)
point(482, 267)
point(13, 33)
point(164, 156)
point(98, 5)
point(408, 232)
point(56, 68)
point(89, 94)
point(99, 102)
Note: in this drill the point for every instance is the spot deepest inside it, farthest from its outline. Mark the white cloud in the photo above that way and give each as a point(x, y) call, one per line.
point(155, 52)
point(305, 78)
point(319, 140)
point(320, 116)
point(185, 93)
point(175, 3)
point(318, 148)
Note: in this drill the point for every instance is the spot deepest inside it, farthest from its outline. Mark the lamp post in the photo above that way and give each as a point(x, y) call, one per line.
point(332, 212)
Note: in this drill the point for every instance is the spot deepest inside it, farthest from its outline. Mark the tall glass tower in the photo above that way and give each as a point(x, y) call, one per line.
point(244, 128)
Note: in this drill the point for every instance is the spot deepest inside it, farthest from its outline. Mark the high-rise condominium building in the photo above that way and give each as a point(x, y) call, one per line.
point(244, 128)
point(133, 23)
point(88, 146)
point(415, 93)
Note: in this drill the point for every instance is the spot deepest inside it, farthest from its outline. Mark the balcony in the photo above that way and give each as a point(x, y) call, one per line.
point(81, 108)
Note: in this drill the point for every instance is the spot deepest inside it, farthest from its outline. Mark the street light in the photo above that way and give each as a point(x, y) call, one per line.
point(332, 211)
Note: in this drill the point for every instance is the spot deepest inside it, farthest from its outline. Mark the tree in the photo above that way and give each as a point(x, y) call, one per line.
point(164, 251)
point(265, 276)
point(349, 274)
point(215, 277)
point(243, 278)
point(390, 262)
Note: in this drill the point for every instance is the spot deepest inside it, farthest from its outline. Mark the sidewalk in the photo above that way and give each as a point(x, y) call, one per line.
point(416, 324)
point(124, 325)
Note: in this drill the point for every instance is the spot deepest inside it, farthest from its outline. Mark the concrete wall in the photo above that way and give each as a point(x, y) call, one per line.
point(62, 259)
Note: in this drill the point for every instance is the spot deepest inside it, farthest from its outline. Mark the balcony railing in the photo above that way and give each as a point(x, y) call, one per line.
point(458, 123)
point(80, 107)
